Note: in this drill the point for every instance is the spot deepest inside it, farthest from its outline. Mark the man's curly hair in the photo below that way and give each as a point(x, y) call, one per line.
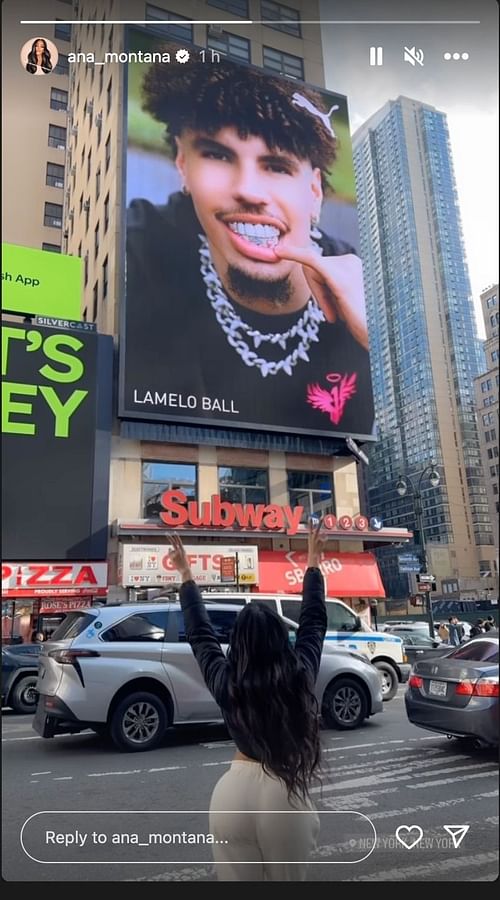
point(207, 97)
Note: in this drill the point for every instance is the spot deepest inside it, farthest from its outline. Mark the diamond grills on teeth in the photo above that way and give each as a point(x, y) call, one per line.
point(261, 235)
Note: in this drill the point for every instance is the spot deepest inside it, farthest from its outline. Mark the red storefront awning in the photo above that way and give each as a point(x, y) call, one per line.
point(346, 574)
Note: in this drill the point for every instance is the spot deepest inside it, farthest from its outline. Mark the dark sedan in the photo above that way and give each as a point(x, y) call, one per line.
point(457, 694)
point(19, 676)
point(419, 645)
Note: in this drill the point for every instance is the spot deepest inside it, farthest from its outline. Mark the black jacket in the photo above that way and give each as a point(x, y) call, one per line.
point(212, 660)
point(176, 350)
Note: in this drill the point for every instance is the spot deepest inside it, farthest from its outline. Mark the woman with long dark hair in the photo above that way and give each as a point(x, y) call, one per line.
point(261, 814)
point(39, 57)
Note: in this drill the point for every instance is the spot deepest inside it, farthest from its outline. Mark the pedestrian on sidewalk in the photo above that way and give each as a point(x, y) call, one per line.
point(443, 632)
point(261, 813)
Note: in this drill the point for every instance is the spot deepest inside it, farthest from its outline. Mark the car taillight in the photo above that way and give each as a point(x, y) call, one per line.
point(69, 657)
point(485, 687)
point(415, 681)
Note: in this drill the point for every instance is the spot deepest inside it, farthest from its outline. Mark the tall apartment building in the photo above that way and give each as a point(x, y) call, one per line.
point(35, 130)
point(424, 350)
point(486, 387)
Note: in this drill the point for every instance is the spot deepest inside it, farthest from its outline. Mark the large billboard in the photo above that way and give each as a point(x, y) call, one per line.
point(56, 434)
point(244, 290)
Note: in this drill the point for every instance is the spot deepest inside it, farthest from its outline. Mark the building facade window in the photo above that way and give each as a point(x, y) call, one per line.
point(158, 477)
point(57, 137)
point(491, 302)
point(96, 241)
point(62, 67)
point(272, 15)
point(239, 485)
point(89, 164)
point(236, 7)
point(313, 491)
point(58, 99)
point(54, 175)
point(284, 63)
point(62, 31)
point(86, 269)
point(106, 213)
point(95, 301)
point(98, 183)
point(107, 152)
point(105, 267)
point(52, 248)
point(53, 215)
point(181, 32)
point(109, 95)
point(230, 45)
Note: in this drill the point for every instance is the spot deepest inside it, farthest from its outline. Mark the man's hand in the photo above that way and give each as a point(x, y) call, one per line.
point(336, 283)
point(178, 558)
point(315, 544)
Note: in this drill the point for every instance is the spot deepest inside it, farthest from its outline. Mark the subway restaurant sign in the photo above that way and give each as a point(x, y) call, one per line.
point(56, 424)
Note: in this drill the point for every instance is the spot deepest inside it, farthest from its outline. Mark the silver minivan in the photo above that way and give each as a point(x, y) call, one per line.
point(127, 672)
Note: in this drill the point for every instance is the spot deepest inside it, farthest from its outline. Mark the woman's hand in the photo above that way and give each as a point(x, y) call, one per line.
point(336, 283)
point(178, 558)
point(315, 544)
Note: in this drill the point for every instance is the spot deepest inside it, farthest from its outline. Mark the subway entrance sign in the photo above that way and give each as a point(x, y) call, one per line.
point(40, 283)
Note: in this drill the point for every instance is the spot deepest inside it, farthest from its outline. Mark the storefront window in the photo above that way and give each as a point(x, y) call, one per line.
point(313, 491)
point(158, 477)
point(243, 485)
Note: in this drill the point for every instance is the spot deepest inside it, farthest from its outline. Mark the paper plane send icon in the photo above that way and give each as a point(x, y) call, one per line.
point(457, 833)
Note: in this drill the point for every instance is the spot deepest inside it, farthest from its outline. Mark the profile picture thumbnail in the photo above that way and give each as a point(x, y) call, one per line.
point(39, 56)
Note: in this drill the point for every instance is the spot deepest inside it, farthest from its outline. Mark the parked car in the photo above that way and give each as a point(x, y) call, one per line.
point(458, 693)
point(19, 676)
point(419, 645)
point(392, 623)
point(385, 651)
point(128, 671)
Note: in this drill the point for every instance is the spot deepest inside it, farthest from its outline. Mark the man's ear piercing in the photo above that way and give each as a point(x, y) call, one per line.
point(185, 190)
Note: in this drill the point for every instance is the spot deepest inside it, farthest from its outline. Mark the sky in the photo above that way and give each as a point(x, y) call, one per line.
point(466, 90)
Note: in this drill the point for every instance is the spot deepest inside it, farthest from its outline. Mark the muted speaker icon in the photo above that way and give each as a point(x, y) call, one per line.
point(413, 56)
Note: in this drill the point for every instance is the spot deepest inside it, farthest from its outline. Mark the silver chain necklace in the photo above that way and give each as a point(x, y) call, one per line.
point(235, 328)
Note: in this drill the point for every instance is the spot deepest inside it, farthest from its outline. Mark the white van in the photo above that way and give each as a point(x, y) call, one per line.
point(386, 651)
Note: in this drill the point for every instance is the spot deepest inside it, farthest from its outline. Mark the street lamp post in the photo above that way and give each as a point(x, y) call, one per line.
point(402, 489)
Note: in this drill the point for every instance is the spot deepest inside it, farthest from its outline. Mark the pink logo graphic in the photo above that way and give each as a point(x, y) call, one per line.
point(333, 401)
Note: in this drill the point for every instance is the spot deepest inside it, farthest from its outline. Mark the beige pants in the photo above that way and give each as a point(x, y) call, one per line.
point(260, 836)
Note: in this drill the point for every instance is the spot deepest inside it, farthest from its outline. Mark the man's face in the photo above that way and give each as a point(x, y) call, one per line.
point(249, 199)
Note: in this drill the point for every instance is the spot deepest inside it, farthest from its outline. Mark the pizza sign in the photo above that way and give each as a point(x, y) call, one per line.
point(60, 579)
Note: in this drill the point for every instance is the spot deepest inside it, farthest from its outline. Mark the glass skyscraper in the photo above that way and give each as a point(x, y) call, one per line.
point(423, 342)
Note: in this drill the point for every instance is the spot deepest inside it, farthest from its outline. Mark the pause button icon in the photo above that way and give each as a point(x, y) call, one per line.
point(376, 56)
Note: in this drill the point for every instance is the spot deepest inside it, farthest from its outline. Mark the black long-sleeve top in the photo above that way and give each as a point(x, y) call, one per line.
point(212, 660)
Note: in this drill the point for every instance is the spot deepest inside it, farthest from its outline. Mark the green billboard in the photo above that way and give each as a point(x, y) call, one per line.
point(38, 282)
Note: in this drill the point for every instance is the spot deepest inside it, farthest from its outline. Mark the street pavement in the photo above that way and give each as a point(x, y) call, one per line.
point(97, 808)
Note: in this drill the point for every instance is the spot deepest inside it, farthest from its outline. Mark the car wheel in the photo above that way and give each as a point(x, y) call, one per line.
point(389, 680)
point(344, 704)
point(138, 722)
point(24, 695)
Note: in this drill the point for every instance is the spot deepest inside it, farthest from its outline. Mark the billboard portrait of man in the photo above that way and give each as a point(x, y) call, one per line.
point(240, 309)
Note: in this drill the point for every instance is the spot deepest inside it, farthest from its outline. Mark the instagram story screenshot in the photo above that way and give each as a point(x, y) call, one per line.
point(250, 441)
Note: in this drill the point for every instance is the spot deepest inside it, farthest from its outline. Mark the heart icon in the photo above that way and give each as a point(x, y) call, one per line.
point(403, 835)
